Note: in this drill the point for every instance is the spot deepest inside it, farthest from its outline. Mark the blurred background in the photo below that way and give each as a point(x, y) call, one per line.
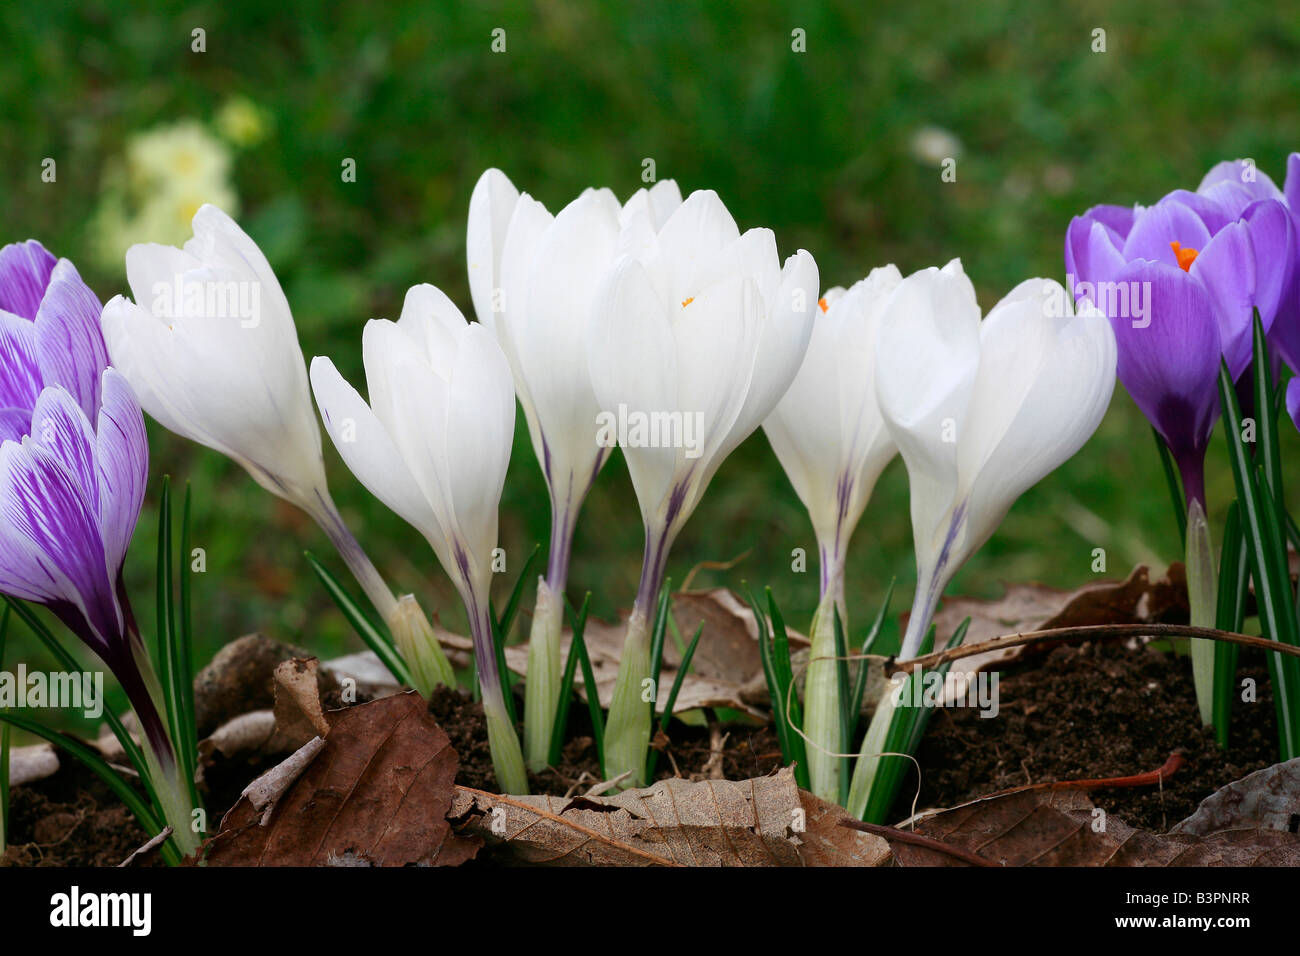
point(838, 149)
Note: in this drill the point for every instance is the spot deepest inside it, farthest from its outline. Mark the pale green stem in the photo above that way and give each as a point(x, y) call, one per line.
point(627, 731)
point(1202, 597)
point(873, 745)
point(542, 690)
point(822, 688)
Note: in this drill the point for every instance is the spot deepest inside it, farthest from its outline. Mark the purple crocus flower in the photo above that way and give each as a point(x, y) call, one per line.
point(1180, 281)
point(73, 464)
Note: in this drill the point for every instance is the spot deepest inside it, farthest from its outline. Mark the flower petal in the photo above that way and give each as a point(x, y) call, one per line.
point(25, 269)
point(69, 343)
point(122, 464)
point(491, 206)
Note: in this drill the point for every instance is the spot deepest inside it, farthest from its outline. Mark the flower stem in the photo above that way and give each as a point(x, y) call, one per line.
point(1202, 596)
point(822, 686)
point(627, 733)
point(507, 758)
point(542, 682)
point(414, 638)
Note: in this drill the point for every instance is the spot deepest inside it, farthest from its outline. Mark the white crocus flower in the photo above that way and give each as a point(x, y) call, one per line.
point(532, 278)
point(210, 348)
point(830, 438)
point(696, 333)
point(981, 411)
point(433, 445)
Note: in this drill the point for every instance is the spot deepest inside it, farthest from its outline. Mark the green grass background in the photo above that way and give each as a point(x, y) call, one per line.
point(814, 145)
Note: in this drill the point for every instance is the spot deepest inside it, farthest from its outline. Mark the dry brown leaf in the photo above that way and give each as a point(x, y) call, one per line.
point(1268, 799)
point(379, 789)
point(1062, 828)
point(766, 821)
point(298, 715)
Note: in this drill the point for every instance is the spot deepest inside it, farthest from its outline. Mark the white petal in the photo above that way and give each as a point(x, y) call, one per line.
point(490, 207)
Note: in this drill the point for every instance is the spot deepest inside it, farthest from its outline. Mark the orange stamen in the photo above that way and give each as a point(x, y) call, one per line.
point(822, 303)
point(686, 302)
point(1185, 257)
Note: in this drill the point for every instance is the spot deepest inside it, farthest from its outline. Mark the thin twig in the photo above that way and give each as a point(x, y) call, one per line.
point(915, 839)
point(1098, 632)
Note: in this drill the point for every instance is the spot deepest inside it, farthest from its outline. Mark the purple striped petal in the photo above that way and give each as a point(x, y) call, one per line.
point(1171, 366)
point(122, 455)
point(1211, 209)
point(1274, 240)
point(50, 548)
point(69, 343)
point(14, 423)
point(59, 427)
point(20, 373)
point(1118, 219)
point(25, 269)
point(1166, 222)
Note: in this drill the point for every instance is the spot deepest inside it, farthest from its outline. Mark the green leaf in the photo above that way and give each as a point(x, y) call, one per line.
point(657, 635)
point(785, 679)
point(1268, 566)
point(561, 726)
point(503, 672)
point(864, 668)
point(70, 663)
point(1175, 487)
point(1234, 578)
point(168, 666)
point(100, 767)
point(188, 743)
point(1267, 452)
point(375, 639)
point(769, 674)
point(847, 718)
point(579, 625)
point(682, 669)
point(507, 620)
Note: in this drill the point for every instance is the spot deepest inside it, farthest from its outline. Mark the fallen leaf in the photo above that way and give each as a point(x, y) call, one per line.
point(379, 788)
point(298, 715)
point(766, 821)
point(1268, 799)
point(264, 792)
point(1062, 828)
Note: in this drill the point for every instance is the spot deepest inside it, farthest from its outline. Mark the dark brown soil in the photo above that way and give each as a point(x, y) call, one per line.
point(70, 819)
point(746, 752)
point(1073, 713)
point(1096, 711)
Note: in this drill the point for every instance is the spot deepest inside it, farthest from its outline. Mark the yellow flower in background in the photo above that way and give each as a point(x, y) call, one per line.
point(243, 122)
point(153, 191)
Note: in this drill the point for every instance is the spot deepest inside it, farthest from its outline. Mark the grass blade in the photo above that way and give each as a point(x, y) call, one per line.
point(769, 674)
point(561, 725)
point(165, 622)
point(507, 679)
point(70, 664)
point(579, 625)
point(657, 636)
point(1234, 577)
point(1268, 567)
point(188, 744)
point(507, 619)
point(682, 669)
point(1175, 488)
point(375, 639)
point(847, 718)
point(860, 684)
point(790, 699)
point(101, 768)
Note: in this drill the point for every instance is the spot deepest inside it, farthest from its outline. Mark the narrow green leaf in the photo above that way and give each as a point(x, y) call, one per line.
point(561, 726)
point(1268, 566)
point(188, 744)
point(503, 672)
point(168, 667)
point(847, 718)
point(70, 663)
point(578, 623)
point(99, 766)
point(864, 668)
point(507, 619)
point(769, 674)
point(657, 630)
point(375, 639)
point(664, 720)
point(1234, 578)
point(785, 677)
point(1267, 452)
point(1175, 487)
